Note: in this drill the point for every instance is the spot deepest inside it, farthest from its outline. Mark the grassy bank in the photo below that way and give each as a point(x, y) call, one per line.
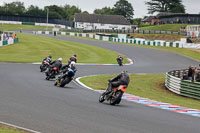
point(164, 27)
point(12, 27)
point(32, 48)
point(191, 53)
point(149, 86)
point(166, 37)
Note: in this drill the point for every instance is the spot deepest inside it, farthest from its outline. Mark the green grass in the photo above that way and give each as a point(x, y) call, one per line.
point(164, 27)
point(4, 129)
point(166, 37)
point(148, 86)
point(32, 48)
point(12, 27)
point(181, 51)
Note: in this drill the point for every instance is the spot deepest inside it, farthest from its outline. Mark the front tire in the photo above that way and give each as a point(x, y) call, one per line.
point(116, 98)
point(101, 98)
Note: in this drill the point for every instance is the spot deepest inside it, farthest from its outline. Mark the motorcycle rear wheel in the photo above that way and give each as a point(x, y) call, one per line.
point(65, 81)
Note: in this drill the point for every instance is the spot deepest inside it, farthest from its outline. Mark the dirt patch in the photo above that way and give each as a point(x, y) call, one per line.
point(196, 50)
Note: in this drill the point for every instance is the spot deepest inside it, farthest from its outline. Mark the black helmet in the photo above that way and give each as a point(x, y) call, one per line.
point(49, 56)
point(75, 55)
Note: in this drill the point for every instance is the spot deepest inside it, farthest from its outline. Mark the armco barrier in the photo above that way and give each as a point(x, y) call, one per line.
point(8, 42)
point(186, 88)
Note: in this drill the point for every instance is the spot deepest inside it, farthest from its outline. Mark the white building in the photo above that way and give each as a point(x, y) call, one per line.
point(98, 21)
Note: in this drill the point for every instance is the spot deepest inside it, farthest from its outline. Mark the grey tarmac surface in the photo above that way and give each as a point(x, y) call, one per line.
point(28, 100)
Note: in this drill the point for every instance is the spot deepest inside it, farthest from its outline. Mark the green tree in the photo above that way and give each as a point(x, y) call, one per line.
point(85, 12)
point(105, 10)
point(70, 11)
point(35, 11)
point(55, 11)
point(137, 21)
point(124, 8)
point(14, 8)
point(173, 6)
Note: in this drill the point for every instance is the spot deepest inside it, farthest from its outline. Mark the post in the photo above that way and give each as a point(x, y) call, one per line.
point(47, 18)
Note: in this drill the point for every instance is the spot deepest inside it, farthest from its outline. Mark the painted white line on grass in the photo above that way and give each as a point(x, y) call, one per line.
point(20, 128)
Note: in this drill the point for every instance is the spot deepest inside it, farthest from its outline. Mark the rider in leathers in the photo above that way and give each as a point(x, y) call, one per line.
point(57, 63)
point(121, 79)
point(47, 59)
point(65, 69)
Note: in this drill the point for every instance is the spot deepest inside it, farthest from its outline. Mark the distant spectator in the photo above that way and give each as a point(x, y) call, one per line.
point(195, 75)
point(21, 30)
point(190, 72)
point(188, 20)
point(188, 40)
point(15, 35)
point(7, 37)
point(12, 36)
point(185, 75)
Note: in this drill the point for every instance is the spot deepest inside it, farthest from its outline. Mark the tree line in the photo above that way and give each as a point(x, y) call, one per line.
point(66, 12)
point(58, 12)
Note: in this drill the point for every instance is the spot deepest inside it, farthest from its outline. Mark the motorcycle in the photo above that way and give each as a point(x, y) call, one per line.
point(120, 61)
point(44, 66)
point(115, 96)
point(51, 73)
point(65, 78)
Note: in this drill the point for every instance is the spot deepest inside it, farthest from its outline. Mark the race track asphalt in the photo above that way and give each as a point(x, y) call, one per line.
point(28, 100)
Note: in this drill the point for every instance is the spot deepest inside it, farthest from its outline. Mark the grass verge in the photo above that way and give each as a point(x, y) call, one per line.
point(7, 129)
point(148, 86)
point(166, 37)
point(12, 27)
point(190, 53)
point(164, 27)
point(32, 48)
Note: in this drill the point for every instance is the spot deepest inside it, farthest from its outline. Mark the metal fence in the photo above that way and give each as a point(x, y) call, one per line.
point(186, 88)
point(36, 20)
point(135, 31)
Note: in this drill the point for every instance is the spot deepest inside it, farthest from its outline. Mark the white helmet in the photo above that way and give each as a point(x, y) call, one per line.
point(60, 59)
point(72, 65)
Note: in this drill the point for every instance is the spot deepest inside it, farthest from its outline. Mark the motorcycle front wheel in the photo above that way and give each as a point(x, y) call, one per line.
point(101, 98)
point(116, 98)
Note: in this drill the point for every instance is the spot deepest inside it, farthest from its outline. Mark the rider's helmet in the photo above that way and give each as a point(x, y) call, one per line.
point(124, 72)
point(60, 59)
point(72, 65)
point(74, 55)
point(49, 56)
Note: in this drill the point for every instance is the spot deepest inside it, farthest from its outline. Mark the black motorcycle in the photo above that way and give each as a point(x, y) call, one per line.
point(115, 96)
point(51, 73)
point(120, 61)
point(44, 66)
point(65, 78)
